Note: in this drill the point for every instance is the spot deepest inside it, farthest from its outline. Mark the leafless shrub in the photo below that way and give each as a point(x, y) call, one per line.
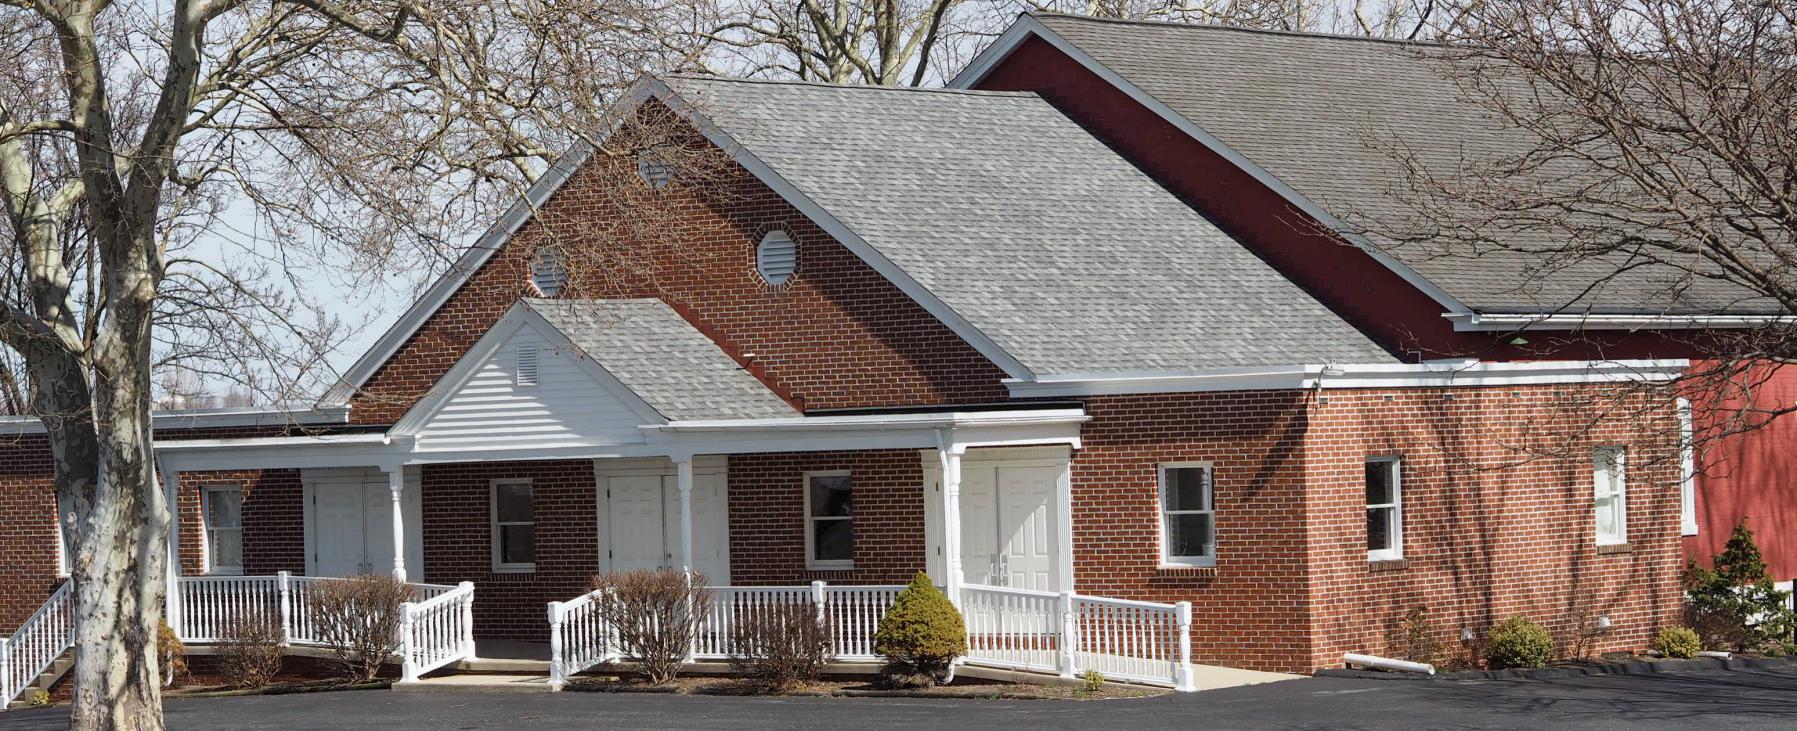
point(1416, 637)
point(250, 651)
point(780, 646)
point(358, 619)
point(656, 615)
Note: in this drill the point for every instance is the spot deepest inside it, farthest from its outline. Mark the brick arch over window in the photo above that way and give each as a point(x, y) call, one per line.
point(839, 336)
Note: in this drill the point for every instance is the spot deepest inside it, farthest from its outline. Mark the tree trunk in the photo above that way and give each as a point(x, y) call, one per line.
point(120, 580)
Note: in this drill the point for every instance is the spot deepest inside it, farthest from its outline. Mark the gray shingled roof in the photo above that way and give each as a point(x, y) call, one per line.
point(1061, 252)
point(1321, 112)
point(656, 353)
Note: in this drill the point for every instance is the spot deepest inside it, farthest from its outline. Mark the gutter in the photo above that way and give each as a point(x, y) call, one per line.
point(1487, 322)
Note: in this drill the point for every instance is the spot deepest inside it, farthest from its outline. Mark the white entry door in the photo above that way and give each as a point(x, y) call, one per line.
point(640, 520)
point(636, 528)
point(1008, 526)
point(349, 522)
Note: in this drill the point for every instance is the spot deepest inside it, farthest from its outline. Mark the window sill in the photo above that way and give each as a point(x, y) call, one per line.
point(1387, 564)
point(826, 568)
point(223, 572)
point(1607, 549)
point(1186, 570)
point(515, 569)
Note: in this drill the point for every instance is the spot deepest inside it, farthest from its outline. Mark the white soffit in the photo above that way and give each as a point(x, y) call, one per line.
point(1444, 374)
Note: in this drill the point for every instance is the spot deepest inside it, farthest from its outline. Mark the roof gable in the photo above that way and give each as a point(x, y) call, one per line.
point(565, 373)
point(1033, 231)
point(1316, 127)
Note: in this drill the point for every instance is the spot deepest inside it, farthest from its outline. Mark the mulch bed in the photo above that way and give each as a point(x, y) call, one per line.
point(972, 688)
point(1611, 665)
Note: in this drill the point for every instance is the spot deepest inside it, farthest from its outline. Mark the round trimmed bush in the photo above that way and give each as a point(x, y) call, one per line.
point(1518, 643)
point(1678, 642)
point(920, 636)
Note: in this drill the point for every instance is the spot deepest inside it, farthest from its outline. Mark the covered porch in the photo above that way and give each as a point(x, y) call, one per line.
point(581, 437)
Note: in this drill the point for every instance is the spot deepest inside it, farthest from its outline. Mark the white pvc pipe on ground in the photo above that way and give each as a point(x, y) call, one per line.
point(1386, 663)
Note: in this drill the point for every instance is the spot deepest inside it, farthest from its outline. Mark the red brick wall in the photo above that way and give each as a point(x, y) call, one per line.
point(274, 531)
point(1486, 537)
point(27, 529)
point(767, 517)
point(1490, 532)
point(458, 541)
point(1251, 610)
point(836, 335)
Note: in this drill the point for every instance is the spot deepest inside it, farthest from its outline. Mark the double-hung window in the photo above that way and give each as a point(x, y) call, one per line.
point(514, 527)
point(1188, 516)
point(829, 520)
point(1611, 492)
point(65, 551)
point(1384, 509)
point(223, 506)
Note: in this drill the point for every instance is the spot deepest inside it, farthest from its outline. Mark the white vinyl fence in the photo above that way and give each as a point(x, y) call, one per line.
point(37, 643)
point(579, 638)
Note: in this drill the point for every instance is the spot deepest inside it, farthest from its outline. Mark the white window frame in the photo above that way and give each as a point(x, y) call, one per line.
point(1171, 561)
point(811, 561)
point(65, 565)
point(493, 524)
point(1396, 551)
point(1687, 454)
point(1620, 494)
point(207, 529)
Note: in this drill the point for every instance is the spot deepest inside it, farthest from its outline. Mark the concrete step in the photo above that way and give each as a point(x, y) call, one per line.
point(477, 683)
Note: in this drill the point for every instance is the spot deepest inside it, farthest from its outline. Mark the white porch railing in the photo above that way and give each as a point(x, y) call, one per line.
point(437, 631)
point(1069, 633)
point(436, 628)
point(36, 644)
point(579, 639)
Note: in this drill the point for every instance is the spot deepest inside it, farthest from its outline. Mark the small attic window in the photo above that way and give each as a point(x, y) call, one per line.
point(654, 167)
point(547, 273)
point(526, 372)
point(777, 257)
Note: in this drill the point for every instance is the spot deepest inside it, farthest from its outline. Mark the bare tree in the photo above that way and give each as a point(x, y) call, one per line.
point(366, 136)
point(1640, 146)
point(882, 42)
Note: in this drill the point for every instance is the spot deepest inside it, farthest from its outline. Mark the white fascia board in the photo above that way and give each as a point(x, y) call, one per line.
point(1465, 374)
point(1027, 26)
point(876, 422)
point(331, 450)
point(470, 262)
point(1487, 322)
point(841, 232)
point(209, 419)
point(878, 431)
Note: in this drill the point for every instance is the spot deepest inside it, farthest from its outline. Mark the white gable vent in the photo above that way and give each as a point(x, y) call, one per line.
point(526, 372)
point(777, 257)
point(547, 273)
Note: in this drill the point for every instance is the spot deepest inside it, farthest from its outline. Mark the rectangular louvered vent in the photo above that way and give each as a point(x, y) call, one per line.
point(527, 364)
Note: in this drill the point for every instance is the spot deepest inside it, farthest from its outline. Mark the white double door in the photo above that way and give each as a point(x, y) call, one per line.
point(349, 522)
point(639, 522)
point(1008, 526)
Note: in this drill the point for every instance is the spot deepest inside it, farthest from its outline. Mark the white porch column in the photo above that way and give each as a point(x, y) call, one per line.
point(396, 484)
point(171, 596)
point(683, 470)
point(950, 455)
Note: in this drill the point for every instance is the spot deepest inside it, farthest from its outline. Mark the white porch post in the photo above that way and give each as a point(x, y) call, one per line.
point(683, 469)
point(396, 484)
point(171, 487)
point(950, 454)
